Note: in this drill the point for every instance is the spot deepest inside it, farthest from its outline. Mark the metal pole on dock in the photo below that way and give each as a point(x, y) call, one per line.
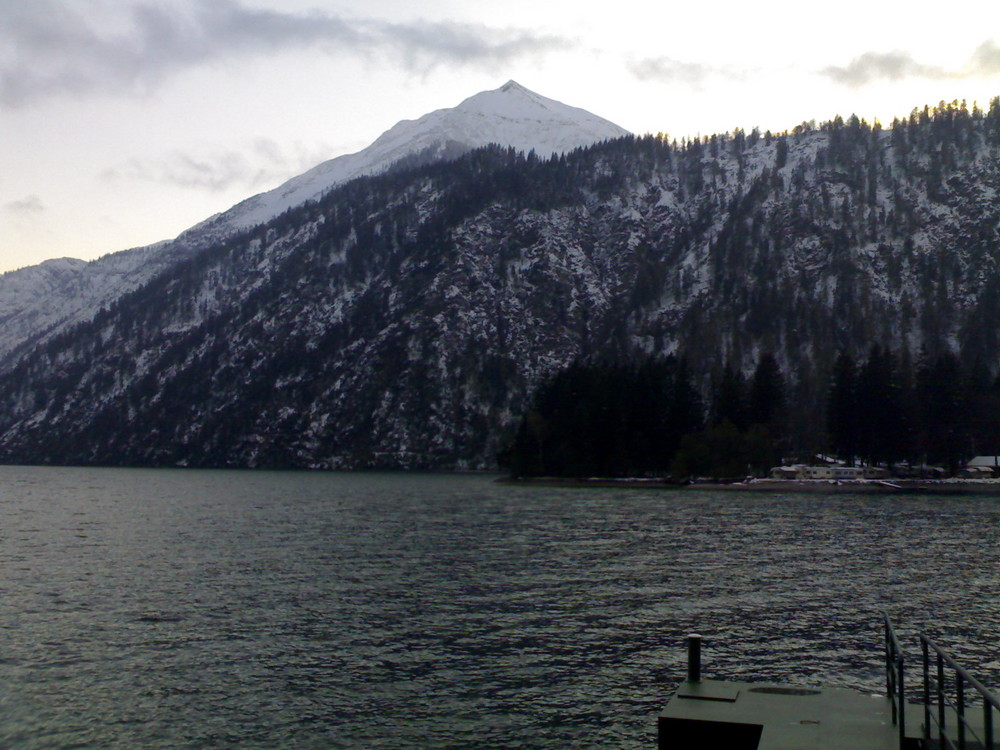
point(694, 658)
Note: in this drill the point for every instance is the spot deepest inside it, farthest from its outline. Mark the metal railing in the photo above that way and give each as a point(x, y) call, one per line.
point(895, 684)
point(967, 735)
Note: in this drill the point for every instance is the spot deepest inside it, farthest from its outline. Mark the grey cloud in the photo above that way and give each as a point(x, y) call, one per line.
point(873, 66)
point(668, 70)
point(262, 165)
point(53, 50)
point(986, 59)
point(26, 206)
point(895, 66)
point(424, 44)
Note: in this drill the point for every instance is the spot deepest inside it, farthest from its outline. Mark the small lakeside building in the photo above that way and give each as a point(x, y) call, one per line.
point(829, 472)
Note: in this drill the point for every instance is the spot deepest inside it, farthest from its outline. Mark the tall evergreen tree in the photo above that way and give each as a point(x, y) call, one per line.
point(945, 417)
point(607, 420)
point(984, 411)
point(842, 409)
point(767, 392)
point(729, 400)
point(686, 411)
point(881, 425)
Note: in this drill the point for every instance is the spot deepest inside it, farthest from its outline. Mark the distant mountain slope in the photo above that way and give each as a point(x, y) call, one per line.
point(404, 320)
point(37, 302)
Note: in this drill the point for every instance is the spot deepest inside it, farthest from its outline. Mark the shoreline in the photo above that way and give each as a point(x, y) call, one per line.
point(796, 486)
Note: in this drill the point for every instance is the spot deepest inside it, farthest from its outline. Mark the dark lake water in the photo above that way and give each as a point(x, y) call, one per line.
point(197, 609)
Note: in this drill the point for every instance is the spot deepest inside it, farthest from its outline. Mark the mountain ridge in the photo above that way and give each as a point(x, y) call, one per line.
point(36, 303)
point(404, 320)
point(510, 115)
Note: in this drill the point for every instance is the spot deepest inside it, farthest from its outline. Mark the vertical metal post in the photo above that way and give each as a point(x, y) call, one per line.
point(960, 693)
point(940, 692)
point(927, 688)
point(694, 658)
point(901, 697)
point(888, 665)
point(988, 724)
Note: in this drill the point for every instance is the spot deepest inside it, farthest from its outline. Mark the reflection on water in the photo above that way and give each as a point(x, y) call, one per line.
point(222, 609)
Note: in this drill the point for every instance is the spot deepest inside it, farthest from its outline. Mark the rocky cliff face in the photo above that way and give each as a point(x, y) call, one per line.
point(403, 320)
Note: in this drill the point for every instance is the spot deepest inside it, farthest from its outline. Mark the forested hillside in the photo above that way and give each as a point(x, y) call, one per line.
point(406, 320)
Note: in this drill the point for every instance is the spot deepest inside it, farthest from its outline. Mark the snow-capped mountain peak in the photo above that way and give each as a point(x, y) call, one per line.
point(508, 116)
point(37, 302)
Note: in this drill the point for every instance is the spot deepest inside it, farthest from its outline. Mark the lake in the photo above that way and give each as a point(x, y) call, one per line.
point(204, 609)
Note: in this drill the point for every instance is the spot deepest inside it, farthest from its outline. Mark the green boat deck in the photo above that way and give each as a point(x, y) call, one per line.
point(955, 711)
point(747, 715)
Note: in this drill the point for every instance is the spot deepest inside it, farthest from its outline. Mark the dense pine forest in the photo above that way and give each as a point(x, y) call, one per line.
point(649, 419)
point(431, 317)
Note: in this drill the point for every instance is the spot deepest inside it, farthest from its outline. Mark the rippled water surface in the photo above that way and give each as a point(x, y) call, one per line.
point(184, 609)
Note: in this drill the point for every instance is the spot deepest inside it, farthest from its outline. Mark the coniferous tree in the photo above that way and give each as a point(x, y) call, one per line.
point(880, 409)
point(686, 409)
point(944, 399)
point(984, 411)
point(767, 392)
point(607, 420)
point(729, 401)
point(842, 409)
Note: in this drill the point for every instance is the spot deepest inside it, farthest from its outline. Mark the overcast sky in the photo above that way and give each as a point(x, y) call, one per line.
point(124, 122)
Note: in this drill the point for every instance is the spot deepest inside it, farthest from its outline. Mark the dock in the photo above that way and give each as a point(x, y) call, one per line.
point(765, 716)
point(954, 710)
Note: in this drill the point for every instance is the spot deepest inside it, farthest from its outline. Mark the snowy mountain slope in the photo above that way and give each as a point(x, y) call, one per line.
point(38, 302)
point(404, 321)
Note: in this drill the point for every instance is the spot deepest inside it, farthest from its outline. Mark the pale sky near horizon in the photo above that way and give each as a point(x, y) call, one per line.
point(124, 122)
